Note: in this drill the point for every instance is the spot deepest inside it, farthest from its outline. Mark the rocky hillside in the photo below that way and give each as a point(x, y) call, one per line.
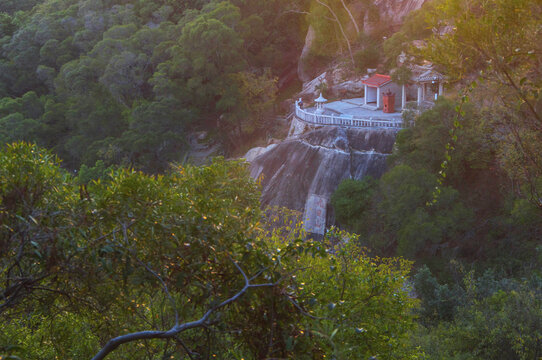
point(393, 12)
point(389, 12)
point(316, 162)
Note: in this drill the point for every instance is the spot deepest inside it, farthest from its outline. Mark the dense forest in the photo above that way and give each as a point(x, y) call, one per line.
point(123, 81)
point(113, 245)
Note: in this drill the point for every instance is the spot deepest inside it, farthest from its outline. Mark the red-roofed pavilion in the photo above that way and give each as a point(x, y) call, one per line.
point(373, 87)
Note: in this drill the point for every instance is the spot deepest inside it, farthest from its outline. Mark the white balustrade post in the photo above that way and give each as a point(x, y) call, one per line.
point(403, 97)
point(344, 120)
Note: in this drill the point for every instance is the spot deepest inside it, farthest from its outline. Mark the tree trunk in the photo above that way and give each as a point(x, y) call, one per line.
point(340, 27)
point(351, 17)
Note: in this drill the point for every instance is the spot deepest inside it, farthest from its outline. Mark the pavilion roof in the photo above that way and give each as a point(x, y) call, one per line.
point(320, 99)
point(425, 74)
point(377, 80)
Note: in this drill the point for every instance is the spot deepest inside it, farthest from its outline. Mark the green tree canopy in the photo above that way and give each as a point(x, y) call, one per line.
point(133, 252)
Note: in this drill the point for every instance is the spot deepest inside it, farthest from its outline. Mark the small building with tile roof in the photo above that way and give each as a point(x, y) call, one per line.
point(428, 83)
point(375, 87)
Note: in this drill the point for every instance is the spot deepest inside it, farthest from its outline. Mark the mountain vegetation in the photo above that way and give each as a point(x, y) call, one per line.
point(461, 195)
point(124, 81)
point(151, 266)
point(113, 246)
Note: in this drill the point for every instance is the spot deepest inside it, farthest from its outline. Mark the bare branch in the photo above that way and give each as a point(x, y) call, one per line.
point(186, 349)
point(340, 26)
point(164, 287)
point(257, 274)
point(178, 328)
point(302, 311)
point(162, 283)
point(295, 12)
point(351, 16)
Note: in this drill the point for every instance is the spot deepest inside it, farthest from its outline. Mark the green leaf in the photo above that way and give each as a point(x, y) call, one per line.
point(289, 343)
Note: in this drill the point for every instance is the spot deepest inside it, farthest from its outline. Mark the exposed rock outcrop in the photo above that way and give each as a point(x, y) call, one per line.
point(393, 12)
point(257, 151)
point(201, 150)
point(297, 127)
point(387, 13)
point(338, 83)
point(316, 162)
point(311, 88)
point(390, 13)
point(301, 71)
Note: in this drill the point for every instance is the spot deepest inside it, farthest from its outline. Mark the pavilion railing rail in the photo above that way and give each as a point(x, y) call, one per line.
point(345, 120)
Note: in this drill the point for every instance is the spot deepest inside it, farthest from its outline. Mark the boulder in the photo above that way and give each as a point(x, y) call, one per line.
point(339, 82)
point(310, 89)
point(257, 151)
point(348, 89)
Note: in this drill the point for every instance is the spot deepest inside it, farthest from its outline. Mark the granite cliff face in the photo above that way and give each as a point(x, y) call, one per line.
point(393, 12)
point(316, 162)
point(390, 12)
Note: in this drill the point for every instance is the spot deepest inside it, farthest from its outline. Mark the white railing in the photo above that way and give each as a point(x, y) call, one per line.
point(345, 120)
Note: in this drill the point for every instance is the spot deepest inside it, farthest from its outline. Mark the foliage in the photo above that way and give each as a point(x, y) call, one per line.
point(416, 26)
point(373, 310)
point(417, 229)
point(401, 75)
point(479, 151)
point(424, 144)
point(322, 88)
point(507, 67)
point(367, 58)
point(486, 317)
point(36, 200)
point(393, 217)
point(101, 74)
point(438, 301)
point(351, 200)
point(345, 318)
point(155, 136)
point(257, 94)
point(98, 171)
point(131, 252)
point(116, 227)
point(476, 219)
point(338, 26)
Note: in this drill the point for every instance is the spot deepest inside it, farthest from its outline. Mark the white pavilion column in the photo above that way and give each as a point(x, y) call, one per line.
point(403, 96)
point(424, 91)
point(378, 97)
point(365, 100)
point(420, 94)
point(440, 89)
